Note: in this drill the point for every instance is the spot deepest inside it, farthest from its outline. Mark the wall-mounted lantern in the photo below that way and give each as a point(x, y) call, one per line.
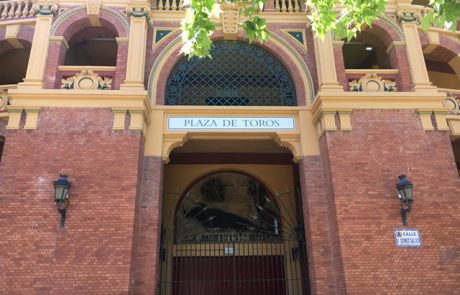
point(404, 187)
point(61, 193)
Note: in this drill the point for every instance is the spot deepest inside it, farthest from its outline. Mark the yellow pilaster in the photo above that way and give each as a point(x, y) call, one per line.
point(14, 118)
point(417, 65)
point(154, 138)
point(425, 119)
point(137, 120)
point(328, 121)
point(39, 49)
point(325, 64)
point(345, 119)
point(441, 120)
point(139, 16)
point(31, 118)
point(119, 117)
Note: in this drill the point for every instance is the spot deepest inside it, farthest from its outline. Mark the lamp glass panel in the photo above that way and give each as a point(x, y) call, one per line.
point(408, 193)
point(61, 192)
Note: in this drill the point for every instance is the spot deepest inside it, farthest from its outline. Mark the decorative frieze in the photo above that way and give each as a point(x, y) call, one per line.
point(44, 7)
point(87, 80)
point(93, 7)
point(3, 102)
point(411, 13)
point(452, 104)
point(139, 9)
point(230, 15)
point(371, 82)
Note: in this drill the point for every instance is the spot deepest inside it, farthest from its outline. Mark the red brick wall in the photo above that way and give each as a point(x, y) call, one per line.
point(363, 177)
point(92, 255)
point(325, 269)
point(146, 240)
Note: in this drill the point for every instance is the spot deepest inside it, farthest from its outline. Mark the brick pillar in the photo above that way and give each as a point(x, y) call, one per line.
point(399, 60)
point(122, 55)
point(323, 249)
point(146, 241)
point(57, 49)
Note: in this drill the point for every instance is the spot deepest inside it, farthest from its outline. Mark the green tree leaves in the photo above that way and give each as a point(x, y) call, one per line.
point(445, 14)
point(351, 18)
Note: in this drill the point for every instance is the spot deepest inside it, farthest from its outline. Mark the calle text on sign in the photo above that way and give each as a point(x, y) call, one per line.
point(231, 123)
point(406, 238)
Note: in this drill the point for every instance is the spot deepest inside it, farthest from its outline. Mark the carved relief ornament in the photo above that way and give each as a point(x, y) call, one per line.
point(139, 9)
point(452, 104)
point(44, 7)
point(93, 7)
point(411, 14)
point(3, 102)
point(372, 83)
point(87, 80)
point(230, 16)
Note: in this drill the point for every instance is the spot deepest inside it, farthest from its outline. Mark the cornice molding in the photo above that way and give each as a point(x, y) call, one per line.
point(25, 98)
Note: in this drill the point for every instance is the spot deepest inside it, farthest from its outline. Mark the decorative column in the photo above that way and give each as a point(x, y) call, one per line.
point(327, 74)
point(39, 51)
point(139, 13)
point(410, 18)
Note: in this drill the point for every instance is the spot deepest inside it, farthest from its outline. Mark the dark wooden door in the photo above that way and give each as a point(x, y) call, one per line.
point(229, 275)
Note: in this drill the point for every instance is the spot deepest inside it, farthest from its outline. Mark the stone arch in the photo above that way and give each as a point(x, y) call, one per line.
point(295, 65)
point(76, 19)
point(447, 52)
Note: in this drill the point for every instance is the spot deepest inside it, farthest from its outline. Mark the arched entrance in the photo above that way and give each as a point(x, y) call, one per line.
point(232, 218)
point(231, 221)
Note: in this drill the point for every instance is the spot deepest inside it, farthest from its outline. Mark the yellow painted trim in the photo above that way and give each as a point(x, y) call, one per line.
point(345, 120)
point(441, 120)
point(18, 21)
point(22, 98)
point(14, 119)
point(160, 141)
point(454, 124)
point(122, 40)
point(377, 71)
point(425, 119)
point(379, 100)
point(395, 44)
point(80, 68)
point(119, 117)
point(271, 17)
point(59, 39)
point(5, 87)
point(31, 118)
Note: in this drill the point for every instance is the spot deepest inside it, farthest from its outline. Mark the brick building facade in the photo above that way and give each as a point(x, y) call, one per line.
point(295, 159)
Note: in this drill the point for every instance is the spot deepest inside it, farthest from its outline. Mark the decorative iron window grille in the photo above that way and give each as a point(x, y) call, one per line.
point(239, 74)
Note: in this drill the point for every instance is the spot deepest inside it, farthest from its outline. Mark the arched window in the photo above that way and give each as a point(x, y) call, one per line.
point(366, 51)
point(14, 59)
point(238, 74)
point(93, 46)
point(227, 206)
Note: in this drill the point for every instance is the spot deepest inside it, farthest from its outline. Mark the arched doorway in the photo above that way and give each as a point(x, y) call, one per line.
point(229, 227)
point(232, 215)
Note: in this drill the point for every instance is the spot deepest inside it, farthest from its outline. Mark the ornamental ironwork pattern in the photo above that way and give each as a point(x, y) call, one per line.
point(238, 74)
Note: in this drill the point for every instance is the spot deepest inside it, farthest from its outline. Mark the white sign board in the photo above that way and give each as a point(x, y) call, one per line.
point(231, 123)
point(407, 238)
